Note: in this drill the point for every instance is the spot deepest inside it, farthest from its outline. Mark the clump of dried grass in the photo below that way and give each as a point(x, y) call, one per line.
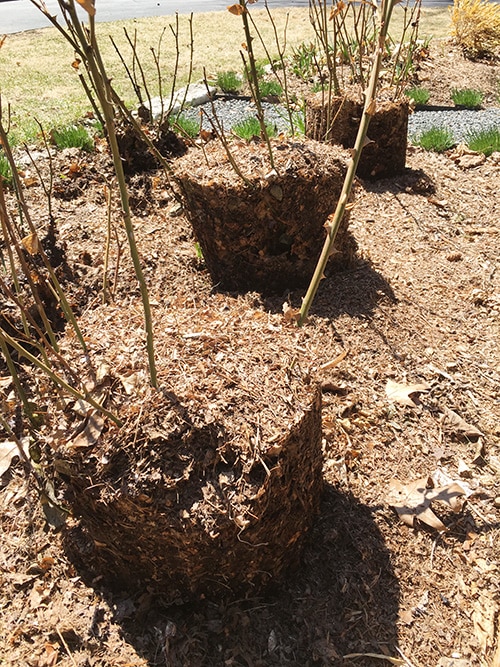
point(476, 27)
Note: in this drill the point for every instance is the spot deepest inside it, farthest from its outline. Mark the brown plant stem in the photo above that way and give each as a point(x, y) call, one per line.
point(368, 111)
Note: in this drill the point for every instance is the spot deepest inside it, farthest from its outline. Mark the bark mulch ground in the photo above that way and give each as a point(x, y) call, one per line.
point(404, 344)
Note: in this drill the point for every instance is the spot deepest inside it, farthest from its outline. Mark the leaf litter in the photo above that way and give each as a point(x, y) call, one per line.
point(402, 307)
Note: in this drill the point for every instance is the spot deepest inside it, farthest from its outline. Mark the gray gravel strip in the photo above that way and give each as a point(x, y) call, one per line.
point(459, 122)
point(232, 111)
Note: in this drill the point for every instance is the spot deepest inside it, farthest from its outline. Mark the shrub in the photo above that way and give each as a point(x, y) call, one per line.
point(484, 141)
point(229, 82)
point(466, 97)
point(475, 25)
point(419, 95)
point(436, 139)
point(250, 127)
point(73, 136)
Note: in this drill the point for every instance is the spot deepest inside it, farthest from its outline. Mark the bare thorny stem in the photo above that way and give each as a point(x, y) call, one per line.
point(84, 42)
point(368, 111)
point(282, 80)
point(253, 79)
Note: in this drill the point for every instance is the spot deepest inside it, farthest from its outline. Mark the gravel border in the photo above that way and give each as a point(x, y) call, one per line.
point(459, 122)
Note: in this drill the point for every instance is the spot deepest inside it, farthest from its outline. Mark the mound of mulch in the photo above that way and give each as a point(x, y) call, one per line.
point(263, 229)
point(214, 479)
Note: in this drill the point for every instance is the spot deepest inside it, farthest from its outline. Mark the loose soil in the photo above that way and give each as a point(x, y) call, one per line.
point(419, 304)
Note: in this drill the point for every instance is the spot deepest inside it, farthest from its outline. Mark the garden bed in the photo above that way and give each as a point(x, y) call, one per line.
point(420, 305)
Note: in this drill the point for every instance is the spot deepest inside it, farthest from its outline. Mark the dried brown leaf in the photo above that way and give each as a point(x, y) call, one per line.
point(31, 244)
point(484, 613)
point(88, 6)
point(401, 393)
point(456, 424)
point(290, 314)
point(413, 500)
point(8, 452)
point(91, 433)
point(237, 10)
point(50, 657)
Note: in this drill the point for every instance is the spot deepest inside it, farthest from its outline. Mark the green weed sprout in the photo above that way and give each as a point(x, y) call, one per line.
point(420, 96)
point(73, 136)
point(270, 89)
point(437, 139)
point(484, 141)
point(186, 126)
point(229, 82)
point(467, 97)
point(250, 128)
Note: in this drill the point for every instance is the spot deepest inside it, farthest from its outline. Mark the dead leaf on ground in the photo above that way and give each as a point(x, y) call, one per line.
point(440, 477)
point(453, 423)
point(5, 382)
point(401, 393)
point(413, 500)
point(9, 450)
point(50, 657)
point(91, 433)
point(290, 314)
point(484, 614)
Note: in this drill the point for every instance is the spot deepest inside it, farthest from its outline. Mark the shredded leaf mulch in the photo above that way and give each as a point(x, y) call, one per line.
point(404, 345)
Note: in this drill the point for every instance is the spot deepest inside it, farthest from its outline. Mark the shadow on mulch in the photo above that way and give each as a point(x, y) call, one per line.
point(355, 291)
point(342, 600)
point(411, 181)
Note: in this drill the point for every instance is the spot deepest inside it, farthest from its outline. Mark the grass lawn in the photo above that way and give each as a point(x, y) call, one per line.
point(37, 80)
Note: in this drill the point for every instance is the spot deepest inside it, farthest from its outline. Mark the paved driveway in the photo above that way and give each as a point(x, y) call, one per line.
point(18, 15)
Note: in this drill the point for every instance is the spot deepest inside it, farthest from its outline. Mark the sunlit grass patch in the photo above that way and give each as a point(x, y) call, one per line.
point(250, 127)
point(484, 141)
point(437, 139)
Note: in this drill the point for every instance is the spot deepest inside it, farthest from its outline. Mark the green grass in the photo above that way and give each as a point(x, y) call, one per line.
point(419, 95)
point(437, 139)
point(5, 170)
point(270, 89)
point(229, 82)
point(485, 141)
point(467, 97)
point(187, 126)
point(73, 136)
point(250, 127)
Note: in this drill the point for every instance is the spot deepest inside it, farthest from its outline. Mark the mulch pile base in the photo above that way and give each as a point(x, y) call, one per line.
point(337, 121)
point(265, 234)
point(214, 480)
